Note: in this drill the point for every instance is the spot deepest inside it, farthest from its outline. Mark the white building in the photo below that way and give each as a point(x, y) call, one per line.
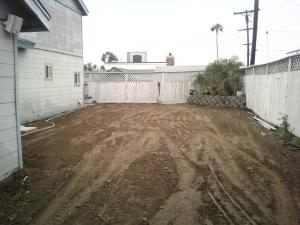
point(31, 17)
point(150, 66)
point(51, 63)
point(136, 61)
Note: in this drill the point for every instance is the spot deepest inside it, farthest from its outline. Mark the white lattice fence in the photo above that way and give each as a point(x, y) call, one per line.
point(284, 65)
point(153, 87)
point(273, 90)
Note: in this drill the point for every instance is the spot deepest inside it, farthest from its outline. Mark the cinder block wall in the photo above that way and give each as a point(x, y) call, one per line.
point(218, 101)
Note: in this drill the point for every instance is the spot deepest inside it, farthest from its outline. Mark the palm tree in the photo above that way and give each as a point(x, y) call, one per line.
point(217, 27)
point(220, 77)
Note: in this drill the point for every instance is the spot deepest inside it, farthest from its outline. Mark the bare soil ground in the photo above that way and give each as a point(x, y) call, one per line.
point(154, 164)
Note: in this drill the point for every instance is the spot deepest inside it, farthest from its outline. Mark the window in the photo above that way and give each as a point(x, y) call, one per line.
point(137, 58)
point(76, 79)
point(48, 72)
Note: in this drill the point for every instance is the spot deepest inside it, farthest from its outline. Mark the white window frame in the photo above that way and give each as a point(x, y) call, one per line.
point(47, 71)
point(77, 79)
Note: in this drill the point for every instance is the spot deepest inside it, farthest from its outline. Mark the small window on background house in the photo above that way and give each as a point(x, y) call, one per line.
point(76, 79)
point(48, 72)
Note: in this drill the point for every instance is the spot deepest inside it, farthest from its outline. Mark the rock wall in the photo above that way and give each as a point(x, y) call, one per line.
point(218, 101)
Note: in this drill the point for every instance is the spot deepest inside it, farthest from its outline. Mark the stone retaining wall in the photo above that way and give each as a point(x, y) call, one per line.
point(219, 101)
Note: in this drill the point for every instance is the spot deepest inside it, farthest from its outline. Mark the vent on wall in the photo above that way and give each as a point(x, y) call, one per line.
point(13, 24)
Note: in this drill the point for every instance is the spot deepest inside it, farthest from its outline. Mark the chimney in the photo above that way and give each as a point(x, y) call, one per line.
point(170, 60)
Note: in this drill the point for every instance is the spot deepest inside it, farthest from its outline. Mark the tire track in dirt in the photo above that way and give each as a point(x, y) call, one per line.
point(244, 186)
point(80, 188)
point(235, 175)
point(282, 200)
point(181, 207)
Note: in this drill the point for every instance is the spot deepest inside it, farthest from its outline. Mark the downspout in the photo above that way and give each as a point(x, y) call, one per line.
point(17, 102)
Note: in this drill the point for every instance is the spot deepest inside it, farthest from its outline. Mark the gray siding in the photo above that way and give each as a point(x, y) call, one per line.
point(60, 47)
point(40, 97)
point(8, 129)
point(65, 33)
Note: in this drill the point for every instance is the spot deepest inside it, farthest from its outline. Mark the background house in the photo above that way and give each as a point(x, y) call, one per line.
point(135, 61)
point(32, 16)
point(51, 63)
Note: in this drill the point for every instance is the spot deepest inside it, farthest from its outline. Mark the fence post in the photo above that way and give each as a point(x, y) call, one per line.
point(126, 80)
point(267, 69)
point(163, 78)
point(253, 71)
point(290, 64)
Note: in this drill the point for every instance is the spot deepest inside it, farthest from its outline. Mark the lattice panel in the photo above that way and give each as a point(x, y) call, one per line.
point(295, 63)
point(260, 70)
point(108, 77)
point(140, 77)
point(279, 66)
point(176, 77)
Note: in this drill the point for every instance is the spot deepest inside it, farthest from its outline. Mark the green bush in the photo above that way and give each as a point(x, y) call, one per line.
point(284, 135)
point(295, 141)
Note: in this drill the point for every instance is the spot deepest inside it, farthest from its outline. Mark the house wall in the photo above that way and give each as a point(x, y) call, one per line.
point(8, 130)
point(65, 35)
point(41, 97)
point(60, 47)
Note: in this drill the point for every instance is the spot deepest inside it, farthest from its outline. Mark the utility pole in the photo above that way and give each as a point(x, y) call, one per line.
point(246, 14)
point(254, 37)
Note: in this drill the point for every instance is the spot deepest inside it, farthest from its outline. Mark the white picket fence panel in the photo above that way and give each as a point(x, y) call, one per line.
point(167, 88)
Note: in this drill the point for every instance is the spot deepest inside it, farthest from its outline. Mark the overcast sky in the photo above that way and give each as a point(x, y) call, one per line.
point(183, 28)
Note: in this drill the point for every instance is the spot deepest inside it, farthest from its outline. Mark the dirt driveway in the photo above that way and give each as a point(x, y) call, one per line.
point(154, 164)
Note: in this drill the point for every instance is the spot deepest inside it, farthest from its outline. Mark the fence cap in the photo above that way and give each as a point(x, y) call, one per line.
point(276, 61)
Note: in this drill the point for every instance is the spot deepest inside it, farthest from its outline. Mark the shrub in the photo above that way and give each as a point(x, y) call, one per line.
point(284, 135)
point(220, 77)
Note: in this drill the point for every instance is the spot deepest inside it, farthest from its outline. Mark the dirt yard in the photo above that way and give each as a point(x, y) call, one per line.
point(154, 164)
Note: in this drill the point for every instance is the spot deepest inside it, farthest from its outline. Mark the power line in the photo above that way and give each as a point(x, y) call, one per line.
point(295, 3)
point(285, 31)
point(274, 50)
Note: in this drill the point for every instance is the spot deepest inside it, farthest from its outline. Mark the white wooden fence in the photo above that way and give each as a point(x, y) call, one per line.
point(273, 90)
point(142, 87)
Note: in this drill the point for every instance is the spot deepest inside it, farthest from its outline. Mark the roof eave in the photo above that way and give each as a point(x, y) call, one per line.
point(40, 12)
point(84, 9)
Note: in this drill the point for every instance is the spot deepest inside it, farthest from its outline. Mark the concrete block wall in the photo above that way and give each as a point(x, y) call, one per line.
point(218, 101)
point(9, 160)
point(40, 97)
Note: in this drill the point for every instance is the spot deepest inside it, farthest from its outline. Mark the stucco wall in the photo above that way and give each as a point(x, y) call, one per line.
point(41, 97)
point(8, 128)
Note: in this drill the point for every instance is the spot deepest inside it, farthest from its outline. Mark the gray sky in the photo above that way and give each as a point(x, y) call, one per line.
point(183, 28)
